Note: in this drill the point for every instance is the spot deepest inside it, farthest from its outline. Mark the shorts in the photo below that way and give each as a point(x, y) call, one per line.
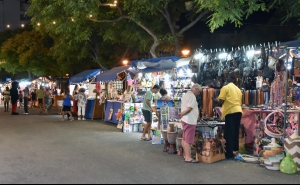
point(188, 134)
point(147, 116)
point(66, 108)
point(40, 100)
point(20, 100)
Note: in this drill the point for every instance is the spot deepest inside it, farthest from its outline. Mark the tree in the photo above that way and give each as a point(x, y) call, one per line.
point(152, 17)
point(30, 51)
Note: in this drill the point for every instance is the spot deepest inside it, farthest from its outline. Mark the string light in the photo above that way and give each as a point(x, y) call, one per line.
point(72, 19)
point(8, 26)
point(91, 15)
point(22, 25)
point(38, 24)
point(54, 22)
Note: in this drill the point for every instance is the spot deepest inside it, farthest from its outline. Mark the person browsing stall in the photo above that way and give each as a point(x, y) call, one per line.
point(231, 99)
point(147, 112)
point(6, 94)
point(40, 95)
point(189, 116)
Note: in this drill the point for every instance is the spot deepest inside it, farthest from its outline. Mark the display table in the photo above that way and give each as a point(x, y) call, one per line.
point(114, 105)
point(89, 109)
point(57, 97)
point(249, 120)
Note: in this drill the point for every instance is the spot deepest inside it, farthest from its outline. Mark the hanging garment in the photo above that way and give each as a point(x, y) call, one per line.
point(247, 97)
point(277, 92)
point(211, 92)
point(262, 100)
point(205, 102)
point(243, 96)
point(266, 97)
point(216, 95)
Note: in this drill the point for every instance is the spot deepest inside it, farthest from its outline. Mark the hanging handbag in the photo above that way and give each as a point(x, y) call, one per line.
point(272, 63)
point(265, 87)
point(280, 65)
point(260, 64)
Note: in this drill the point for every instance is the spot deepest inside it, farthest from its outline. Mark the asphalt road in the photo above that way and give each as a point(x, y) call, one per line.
point(42, 149)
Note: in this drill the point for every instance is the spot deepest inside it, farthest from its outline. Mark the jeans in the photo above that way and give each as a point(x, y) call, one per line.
point(25, 104)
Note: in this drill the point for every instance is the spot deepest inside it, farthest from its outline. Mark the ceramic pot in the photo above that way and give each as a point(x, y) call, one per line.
point(272, 155)
point(292, 146)
point(288, 165)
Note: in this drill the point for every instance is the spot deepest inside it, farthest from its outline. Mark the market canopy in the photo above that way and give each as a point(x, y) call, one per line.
point(111, 74)
point(155, 64)
point(84, 75)
point(293, 43)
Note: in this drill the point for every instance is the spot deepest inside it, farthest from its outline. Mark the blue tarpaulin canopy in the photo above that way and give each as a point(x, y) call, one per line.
point(84, 75)
point(111, 74)
point(155, 64)
point(293, 43)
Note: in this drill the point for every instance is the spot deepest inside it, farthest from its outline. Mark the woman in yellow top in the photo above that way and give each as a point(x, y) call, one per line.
point(231, 99)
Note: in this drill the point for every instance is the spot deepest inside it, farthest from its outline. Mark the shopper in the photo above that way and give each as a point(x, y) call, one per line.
point(6, 94)
point(81, 103)
point(147, 112)
point(164, 94)
point(67, 105)
point(26, 94)
point(20, 99)
point(231, 99)
point(1, 96)
point(14, 95)
point(40, 95)
point(48, 100)
point(33, 98)
point(189, 115)
point(75, 108)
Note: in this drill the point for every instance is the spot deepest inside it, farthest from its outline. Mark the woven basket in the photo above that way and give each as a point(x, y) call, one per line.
point(267, 131)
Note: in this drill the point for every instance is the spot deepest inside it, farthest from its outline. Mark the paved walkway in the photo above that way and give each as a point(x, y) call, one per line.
point(38, 148)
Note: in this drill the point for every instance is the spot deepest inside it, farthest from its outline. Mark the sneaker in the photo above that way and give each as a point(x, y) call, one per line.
point(26, 113)
point(83, 119)
point(79, 119)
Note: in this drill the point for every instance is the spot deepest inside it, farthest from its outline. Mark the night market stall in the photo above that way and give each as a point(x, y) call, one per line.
point(115, 89)
point(85, 79)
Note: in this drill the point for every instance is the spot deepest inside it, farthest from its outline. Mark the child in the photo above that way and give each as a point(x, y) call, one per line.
point(67, 105)
point(81, 103)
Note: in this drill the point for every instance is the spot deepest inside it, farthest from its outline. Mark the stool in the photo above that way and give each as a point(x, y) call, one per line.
point(172, 140)
point(166, 143)
point(179, 146)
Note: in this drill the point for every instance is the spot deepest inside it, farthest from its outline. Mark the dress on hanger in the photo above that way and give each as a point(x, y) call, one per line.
point(277, 92)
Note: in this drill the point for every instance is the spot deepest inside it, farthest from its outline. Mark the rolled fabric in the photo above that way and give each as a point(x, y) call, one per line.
point(247, 97)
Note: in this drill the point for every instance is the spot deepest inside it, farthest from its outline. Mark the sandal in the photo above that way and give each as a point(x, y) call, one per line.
point(192, 161)
point(145, 139)
point(62, 119)
point(72, 119)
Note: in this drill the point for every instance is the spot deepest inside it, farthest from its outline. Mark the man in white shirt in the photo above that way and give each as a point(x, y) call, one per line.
point(189, 115)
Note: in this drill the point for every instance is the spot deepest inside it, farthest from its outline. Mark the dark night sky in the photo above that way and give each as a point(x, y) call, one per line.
point(192, 37)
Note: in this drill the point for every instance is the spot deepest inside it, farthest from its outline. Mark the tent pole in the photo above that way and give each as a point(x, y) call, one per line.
point(286, 91)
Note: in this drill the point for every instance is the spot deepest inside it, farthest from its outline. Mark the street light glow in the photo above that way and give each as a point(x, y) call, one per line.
point(125, 62)
point(185, 52)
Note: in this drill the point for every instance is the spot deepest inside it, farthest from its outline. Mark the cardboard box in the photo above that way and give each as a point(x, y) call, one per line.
point(211, 158)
